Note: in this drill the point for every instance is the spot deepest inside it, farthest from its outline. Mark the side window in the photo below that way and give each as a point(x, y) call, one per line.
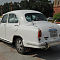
point(12, 18)
point(4, 19)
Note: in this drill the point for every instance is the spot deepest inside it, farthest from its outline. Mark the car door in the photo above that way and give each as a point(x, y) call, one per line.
point(11, 27)
point(3, 26)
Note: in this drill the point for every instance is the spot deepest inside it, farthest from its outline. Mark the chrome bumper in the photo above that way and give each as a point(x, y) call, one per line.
point(50, 43)
point(44, 44)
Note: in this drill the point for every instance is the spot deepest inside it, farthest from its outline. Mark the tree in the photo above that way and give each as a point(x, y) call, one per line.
point(16, 6)
point(5, 7)
point(24, 4)
point(43, 6)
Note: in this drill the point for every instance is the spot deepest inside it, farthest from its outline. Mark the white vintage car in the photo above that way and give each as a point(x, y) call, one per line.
point(28, 28)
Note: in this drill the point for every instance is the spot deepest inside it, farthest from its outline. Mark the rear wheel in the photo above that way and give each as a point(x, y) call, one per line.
point(19, 46)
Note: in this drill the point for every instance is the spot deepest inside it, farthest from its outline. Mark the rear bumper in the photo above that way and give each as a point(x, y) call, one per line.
point(50, 43)
point(45, 44)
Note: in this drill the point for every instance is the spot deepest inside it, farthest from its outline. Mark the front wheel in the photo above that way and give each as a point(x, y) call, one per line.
point(19, 46)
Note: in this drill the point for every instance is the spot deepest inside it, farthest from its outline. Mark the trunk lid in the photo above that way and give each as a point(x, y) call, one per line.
point(48, 29)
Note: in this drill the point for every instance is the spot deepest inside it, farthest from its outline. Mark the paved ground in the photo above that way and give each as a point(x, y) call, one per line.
point(9, 53)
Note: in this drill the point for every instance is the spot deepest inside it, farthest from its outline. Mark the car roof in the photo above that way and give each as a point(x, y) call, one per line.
point(22, 12)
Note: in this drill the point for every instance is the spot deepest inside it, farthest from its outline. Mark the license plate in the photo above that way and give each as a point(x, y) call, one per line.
point(53, 32)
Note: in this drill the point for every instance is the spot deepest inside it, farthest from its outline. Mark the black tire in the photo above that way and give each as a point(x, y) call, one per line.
point(19, 46)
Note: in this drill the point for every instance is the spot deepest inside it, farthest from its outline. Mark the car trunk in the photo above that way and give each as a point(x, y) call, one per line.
point(49, 30)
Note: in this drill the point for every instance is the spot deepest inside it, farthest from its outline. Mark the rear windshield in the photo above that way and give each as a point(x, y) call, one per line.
point(35, 17)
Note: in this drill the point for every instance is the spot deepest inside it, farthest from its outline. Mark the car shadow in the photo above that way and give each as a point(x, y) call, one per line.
point(52, 53)
point(8, 44)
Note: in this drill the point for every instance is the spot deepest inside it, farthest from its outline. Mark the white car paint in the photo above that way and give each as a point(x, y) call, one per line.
point(29, 30)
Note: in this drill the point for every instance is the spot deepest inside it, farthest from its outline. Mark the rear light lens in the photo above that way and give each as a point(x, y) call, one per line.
point(39, 34)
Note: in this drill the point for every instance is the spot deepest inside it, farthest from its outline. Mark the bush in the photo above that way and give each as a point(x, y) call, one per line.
point(56, 16)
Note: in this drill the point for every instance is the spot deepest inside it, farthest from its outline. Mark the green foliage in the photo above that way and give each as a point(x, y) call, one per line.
point(56, 16)
point(24, 4)
point(5, 7)
point(38, 5)
point(16, 6)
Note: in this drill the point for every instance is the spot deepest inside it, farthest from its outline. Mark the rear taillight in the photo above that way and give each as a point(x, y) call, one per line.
point(39, 34)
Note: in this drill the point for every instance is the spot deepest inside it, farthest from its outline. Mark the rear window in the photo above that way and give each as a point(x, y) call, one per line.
point(35, 17)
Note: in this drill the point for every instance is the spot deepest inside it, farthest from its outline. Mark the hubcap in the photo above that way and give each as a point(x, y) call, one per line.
point(19, 45)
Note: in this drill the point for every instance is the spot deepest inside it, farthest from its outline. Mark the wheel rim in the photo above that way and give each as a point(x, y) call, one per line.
point(19, 45)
